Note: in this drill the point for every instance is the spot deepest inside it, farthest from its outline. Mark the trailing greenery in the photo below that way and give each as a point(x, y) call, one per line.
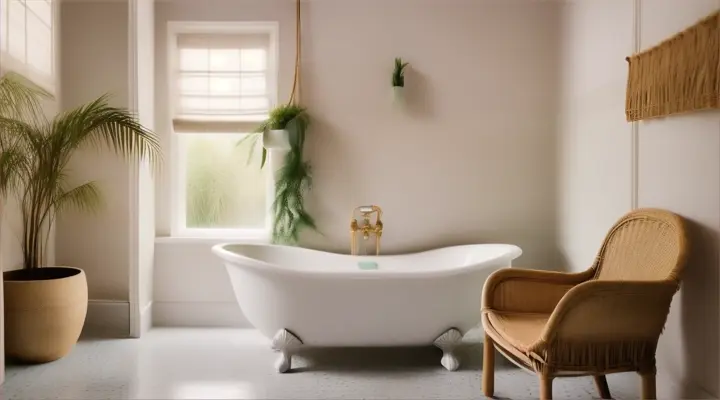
point(294, 178)
point(35, 153)
point(398, 77)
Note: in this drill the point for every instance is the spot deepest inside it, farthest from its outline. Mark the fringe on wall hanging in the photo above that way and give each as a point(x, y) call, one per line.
point(679, 75)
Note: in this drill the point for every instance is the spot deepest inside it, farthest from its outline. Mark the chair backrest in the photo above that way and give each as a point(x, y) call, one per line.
point(644, 245)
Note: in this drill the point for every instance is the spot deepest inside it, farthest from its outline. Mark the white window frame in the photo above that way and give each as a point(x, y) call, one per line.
point(177, 161)
point(11, 63)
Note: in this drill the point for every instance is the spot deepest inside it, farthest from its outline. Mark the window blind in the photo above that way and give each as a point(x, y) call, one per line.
point(221, 82)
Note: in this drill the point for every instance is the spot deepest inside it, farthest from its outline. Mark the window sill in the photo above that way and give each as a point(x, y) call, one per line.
point(212, 240)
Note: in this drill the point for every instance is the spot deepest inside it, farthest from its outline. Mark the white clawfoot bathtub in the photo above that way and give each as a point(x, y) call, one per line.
point(298, 296)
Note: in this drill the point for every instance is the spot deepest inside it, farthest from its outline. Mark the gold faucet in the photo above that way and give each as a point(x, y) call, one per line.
point(367, 228)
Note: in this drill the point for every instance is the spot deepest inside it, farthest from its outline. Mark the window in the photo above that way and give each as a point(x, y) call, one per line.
point(222, 84)
point(27, 39)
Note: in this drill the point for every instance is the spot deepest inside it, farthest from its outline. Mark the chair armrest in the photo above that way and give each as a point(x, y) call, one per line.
point(611, 311)
point(527, 290)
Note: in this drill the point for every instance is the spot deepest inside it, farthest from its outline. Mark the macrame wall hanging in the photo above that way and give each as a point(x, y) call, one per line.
point(679, 75)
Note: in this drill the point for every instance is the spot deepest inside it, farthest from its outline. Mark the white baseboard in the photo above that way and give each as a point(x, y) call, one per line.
point(108, 317)
point(198, 314)
point(146, 318)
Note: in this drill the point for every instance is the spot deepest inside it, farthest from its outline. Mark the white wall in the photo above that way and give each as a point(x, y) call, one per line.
point(674, 164)
point(472, 159)
point(94, 62)
point(594, 156)
point(192, 287)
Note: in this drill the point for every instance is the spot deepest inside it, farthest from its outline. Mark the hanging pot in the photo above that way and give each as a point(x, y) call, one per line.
point(276, 139)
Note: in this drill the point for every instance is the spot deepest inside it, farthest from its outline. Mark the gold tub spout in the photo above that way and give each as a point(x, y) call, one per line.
point(367, 228)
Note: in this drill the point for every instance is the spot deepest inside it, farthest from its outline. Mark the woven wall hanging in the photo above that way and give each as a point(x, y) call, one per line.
point(679, 75)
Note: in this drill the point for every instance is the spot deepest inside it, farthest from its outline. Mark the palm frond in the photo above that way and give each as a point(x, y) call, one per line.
point(12, 160)
point(85, 197)
point(20, 98)
point(38, 152)
point(15, 133)
point(100, 124)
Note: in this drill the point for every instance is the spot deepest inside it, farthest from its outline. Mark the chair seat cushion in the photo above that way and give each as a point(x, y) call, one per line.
point(521, 330)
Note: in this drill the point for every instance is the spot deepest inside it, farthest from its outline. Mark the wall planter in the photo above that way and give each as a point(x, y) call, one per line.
point(398, 82)
point(398, 95)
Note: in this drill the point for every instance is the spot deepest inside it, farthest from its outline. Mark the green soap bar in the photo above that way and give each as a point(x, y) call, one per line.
point(368, 265)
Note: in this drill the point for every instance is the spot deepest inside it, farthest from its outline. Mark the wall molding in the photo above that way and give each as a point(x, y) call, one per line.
point(146, 318)
point(108, 317)
point(198, 314)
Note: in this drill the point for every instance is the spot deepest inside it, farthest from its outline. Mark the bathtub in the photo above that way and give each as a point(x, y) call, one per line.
point(301, 297)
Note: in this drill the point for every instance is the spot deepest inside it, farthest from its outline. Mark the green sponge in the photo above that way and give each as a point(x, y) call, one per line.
point(368, 265)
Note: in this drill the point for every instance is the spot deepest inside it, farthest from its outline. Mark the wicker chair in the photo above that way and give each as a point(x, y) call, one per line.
point(607, 319)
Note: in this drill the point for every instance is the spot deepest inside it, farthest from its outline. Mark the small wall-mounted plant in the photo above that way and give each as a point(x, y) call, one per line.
point(398, 78)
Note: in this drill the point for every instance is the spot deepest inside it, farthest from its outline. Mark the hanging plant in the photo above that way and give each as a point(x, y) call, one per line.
point(294, 177)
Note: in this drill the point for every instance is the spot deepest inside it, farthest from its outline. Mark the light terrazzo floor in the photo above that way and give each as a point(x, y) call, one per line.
point(237, 364)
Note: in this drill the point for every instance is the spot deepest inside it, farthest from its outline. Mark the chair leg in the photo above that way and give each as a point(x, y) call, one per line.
point(602, 386)
point(488, 372)
point(648, 386)
point(545, 386)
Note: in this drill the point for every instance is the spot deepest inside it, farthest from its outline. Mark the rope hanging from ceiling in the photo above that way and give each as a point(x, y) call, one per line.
point(298, 50)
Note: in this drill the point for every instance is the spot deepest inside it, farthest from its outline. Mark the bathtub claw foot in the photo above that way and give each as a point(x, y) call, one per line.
point(283, 363)
point(286, 343)
point(448, 342)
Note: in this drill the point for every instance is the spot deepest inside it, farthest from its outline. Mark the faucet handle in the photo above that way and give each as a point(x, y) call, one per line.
point(353, 225)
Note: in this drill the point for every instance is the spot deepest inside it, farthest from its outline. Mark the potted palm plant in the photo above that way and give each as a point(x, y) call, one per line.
point(45, 306)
